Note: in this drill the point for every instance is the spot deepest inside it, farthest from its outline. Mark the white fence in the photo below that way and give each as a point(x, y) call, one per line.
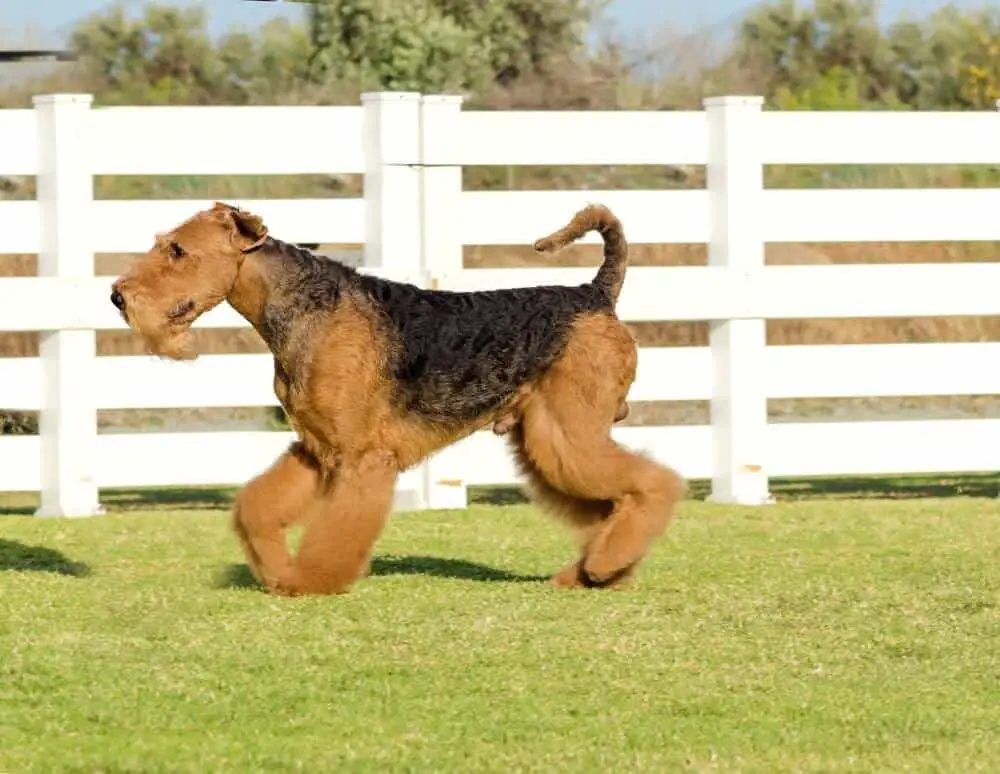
point(415, 218)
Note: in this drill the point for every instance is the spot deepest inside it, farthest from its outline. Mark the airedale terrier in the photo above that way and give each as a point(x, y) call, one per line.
point(376, 375)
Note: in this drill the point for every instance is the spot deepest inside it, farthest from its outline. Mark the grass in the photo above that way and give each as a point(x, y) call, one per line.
point(813, 635)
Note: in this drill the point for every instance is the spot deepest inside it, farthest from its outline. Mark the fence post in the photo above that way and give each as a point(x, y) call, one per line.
point(391, 139)
point(68, 421)
point(739, 399)
point(441, 185)
point(441, 249)
point(393, 241)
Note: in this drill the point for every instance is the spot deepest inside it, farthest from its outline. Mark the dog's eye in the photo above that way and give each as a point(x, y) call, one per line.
point(176, 251)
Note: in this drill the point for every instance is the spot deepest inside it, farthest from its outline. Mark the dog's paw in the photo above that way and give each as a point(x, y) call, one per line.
point(569, 577)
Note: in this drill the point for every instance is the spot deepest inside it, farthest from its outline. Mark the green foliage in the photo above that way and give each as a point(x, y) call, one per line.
point(835, 89)
point(978, 67)
point(166, 56)
point(949, 60)
point(796, 48)
point(440, 45)
point(269, 64)
point(833, 55)
point(404, 46)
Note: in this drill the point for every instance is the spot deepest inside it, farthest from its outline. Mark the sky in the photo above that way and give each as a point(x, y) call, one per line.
point(51, 19)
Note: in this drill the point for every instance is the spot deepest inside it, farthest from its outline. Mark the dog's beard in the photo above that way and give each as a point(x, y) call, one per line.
point(174, 344)
point(165, 336)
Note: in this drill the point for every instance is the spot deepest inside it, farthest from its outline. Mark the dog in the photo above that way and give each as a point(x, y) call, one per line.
point(376, 375)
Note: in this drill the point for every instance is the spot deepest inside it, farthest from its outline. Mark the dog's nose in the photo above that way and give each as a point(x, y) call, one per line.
point(117, 299)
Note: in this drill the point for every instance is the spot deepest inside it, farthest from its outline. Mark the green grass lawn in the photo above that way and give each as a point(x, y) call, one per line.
point(822, 635)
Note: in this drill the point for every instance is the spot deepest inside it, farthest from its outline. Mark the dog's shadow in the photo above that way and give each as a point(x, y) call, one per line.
point(439, 567)
point(19, 557)
point(238, 576)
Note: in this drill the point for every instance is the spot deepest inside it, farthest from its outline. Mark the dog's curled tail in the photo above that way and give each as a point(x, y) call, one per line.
point(595, 217)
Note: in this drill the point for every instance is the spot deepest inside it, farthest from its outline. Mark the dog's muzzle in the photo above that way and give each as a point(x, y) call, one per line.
point(118, 300)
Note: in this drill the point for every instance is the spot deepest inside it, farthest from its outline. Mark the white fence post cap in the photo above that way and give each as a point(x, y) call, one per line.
point(62, 99)
point(390, 96)
point(443, 99)
point(748, 101)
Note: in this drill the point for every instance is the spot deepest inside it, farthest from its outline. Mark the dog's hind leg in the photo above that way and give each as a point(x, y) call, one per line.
point(343, 527)
point(566, 437)
point(582, 515)
point(591, 472)
point(268, 506)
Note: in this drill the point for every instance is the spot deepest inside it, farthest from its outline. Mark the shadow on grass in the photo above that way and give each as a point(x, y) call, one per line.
point(238, 576)
point(459, 569)
point(24, 558)
point(17, 510)
point(150, 499)
point(985, 485)
point(174, 499)
point(497, 495)
point(816, 488)
point(887, 487)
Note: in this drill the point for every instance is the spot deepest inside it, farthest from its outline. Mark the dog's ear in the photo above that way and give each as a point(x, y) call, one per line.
point(245, 224)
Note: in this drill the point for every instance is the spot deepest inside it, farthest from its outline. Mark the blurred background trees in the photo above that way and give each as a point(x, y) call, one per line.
point(831, 54)
point(542, 54)
point(165, 55)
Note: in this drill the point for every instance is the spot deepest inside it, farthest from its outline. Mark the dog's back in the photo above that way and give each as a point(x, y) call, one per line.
point(461, 355)
point(458, 356)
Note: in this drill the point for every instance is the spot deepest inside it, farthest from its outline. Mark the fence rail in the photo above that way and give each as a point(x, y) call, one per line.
point(413, 220)
point(790, 449)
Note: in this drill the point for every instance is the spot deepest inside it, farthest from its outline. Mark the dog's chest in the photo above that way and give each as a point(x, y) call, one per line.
point(289, 388)
point(296, 396)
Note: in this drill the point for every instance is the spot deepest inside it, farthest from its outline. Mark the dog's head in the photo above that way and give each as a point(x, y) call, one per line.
point(188, 271)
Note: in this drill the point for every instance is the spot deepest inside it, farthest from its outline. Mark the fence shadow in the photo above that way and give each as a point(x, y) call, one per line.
point(208, 498)
point(19, 557)
point(238, 576)
point(17, 510)
point(175, 498)
point(985, 485)
point(178, 498)
point(887, 487)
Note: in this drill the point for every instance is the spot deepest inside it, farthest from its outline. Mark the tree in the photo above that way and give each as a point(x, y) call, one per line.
point(950, 60)
point(834, 55)
point(831, 51)
point(442, 45)
point(166, 56)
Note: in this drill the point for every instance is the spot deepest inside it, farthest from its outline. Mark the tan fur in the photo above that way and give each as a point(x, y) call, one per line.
point(595, 217)
point(618, 501)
